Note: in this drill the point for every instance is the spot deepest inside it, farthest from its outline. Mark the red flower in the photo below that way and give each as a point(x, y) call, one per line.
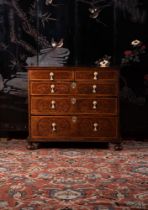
point(143, 47)
point(128, 53)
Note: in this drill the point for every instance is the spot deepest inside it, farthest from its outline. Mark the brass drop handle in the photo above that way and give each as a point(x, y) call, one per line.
point(94, 88)
point(95, 75)
point(51, 74)
point(52, 88)
point(94, 104)
point(95, 127)
point(53, 126)
point(53, 104)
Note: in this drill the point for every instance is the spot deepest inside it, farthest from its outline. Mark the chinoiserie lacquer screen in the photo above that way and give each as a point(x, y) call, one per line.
point(72, 33)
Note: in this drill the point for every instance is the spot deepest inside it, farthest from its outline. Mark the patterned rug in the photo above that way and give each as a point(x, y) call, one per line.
point(73, 178)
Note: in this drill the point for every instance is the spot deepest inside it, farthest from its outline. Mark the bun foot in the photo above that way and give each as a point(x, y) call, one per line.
point(118, 147)
point(32, 146)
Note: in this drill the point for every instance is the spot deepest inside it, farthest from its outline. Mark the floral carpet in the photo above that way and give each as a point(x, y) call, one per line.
point(73, 178)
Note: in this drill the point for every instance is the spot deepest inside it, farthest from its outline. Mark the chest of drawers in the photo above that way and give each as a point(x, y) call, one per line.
point(73, 104)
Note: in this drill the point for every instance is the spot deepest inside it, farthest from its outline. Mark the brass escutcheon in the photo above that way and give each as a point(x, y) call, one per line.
point(73, 85)
point(74, 119)
point(73, 100)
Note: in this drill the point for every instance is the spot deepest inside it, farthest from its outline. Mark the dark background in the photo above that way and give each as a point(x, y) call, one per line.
point(27, 27)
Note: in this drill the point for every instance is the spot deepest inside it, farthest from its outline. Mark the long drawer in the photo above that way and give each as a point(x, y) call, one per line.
point(45, 105)
point(54, 88)
point(53, 127)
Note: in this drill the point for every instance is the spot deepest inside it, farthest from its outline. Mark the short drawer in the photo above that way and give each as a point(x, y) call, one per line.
point(99, 89)
point(49, 88)
point(50, 127)
point(96, 75)
point(69, 105)
point(51, 75)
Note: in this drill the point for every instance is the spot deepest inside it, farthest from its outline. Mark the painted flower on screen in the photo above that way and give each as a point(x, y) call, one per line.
point(136, 43)
point(103, 62)
point(134, 53)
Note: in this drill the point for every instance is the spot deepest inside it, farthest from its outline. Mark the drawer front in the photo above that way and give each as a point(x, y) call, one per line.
point(110, 89)
point(63, 106)
point(70, 75)
point(51, 75)
point(49, 88)
point(96, 75)
point(73, 127)
point(97, 126)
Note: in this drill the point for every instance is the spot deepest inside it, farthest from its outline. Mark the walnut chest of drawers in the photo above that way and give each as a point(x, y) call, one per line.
point(73, 104)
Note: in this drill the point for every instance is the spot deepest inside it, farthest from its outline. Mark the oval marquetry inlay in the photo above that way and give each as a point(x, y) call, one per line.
point(40, 88)
point(44, 105)
point(48, 126)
